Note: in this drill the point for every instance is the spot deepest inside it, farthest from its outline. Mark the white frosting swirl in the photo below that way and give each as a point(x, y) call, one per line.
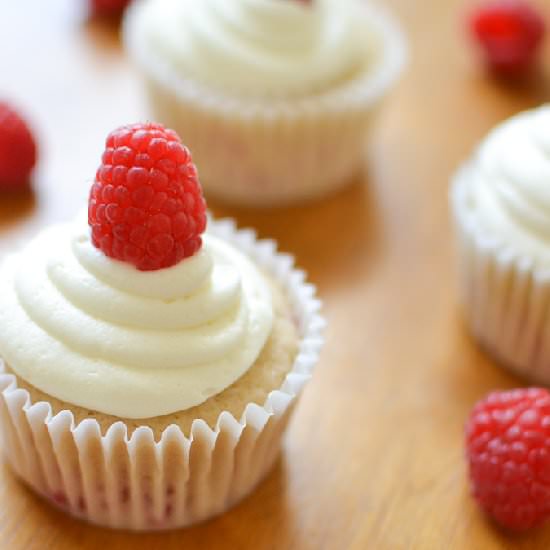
point(509, 184)
point(97, 333)
point(259, 47)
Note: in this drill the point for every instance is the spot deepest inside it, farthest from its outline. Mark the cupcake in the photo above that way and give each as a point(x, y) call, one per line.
point(287, 87)
point(149, 366)
point(501, 205)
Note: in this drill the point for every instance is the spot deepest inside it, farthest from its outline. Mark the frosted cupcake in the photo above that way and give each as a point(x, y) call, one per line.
point(150, 367)
point(287, 87)
point(501, 205)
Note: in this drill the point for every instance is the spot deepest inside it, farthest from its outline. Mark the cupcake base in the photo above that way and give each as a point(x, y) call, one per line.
point(505, 296)
point(271, 160)
point(144, 479)
point(136, 483)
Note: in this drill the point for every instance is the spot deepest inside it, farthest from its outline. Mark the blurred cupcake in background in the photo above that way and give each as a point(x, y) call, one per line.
point(275, 97)
point(501, 205)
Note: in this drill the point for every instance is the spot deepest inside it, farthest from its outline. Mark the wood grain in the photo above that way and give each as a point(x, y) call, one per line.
point(374, 455)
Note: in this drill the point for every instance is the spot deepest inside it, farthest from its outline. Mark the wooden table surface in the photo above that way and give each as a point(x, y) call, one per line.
point(373, 457)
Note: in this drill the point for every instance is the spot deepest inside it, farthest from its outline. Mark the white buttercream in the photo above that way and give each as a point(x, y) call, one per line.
point(260, 47)
point(99, 334)
point(508, 184)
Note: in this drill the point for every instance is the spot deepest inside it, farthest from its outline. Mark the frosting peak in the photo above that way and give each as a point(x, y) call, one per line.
point(97, 333)
point(258, 47)
point(509, 182)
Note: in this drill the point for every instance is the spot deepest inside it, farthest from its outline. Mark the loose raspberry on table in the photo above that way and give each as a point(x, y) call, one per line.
point(17, 149)
point(508, 452)
point(146, 205)
point(108, 8)
point(510, 33)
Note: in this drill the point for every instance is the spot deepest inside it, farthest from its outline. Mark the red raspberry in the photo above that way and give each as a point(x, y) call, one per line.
point(508, 450)
point(510, 32)
point(146, 205)
point(17, 149)
point(106, 8)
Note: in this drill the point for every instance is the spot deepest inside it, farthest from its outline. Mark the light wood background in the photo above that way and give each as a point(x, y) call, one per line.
point(373, 458)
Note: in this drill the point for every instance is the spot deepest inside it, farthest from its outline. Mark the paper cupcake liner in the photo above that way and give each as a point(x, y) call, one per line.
point(272, 151)
point(505, 296)
point(142, 484)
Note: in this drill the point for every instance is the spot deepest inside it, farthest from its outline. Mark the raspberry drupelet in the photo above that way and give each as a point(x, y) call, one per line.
point(508, 452)
point(146, 206)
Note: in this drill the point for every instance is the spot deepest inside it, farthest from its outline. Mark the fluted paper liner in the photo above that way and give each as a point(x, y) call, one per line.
point(504, 294)
point(273, 151)
point(143, 484)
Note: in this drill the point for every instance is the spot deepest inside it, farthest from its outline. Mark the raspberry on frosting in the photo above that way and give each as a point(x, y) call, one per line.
point(146, 206)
